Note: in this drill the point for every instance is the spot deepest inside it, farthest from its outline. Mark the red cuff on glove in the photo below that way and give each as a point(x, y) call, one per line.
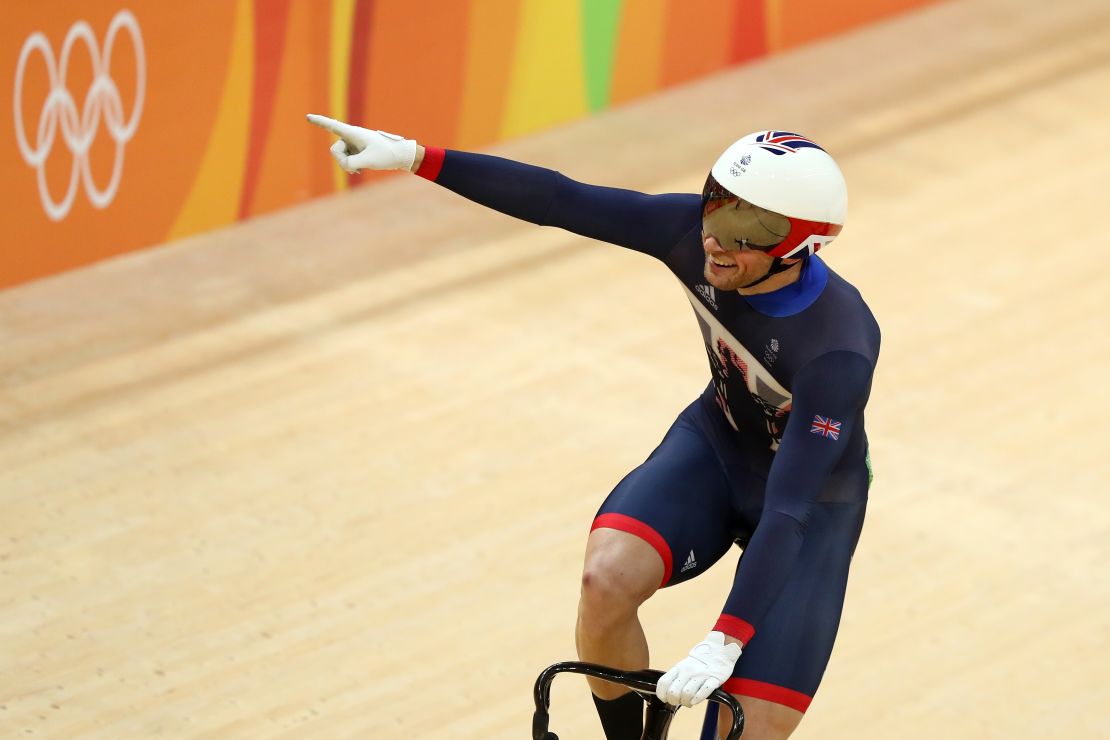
point(734, 627)
point(432, 164)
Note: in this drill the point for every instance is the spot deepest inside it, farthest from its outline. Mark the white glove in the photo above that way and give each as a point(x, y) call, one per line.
point(695, 677)
point(366, 149)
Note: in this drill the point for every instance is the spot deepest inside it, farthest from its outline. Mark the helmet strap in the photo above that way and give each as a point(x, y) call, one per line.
point(777, 266)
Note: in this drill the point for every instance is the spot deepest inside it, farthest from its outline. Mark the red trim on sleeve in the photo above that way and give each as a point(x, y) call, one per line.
point(768, 692)
point(735, 627)
point(432, 164)
point(644, 532)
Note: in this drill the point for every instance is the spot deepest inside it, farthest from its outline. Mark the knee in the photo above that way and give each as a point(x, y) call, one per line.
point(620, 573)
point(604, 583)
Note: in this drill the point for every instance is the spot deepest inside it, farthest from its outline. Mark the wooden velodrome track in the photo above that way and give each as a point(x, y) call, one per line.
point(328, 474)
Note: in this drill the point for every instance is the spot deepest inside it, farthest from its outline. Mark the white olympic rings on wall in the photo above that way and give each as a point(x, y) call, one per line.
point(79, 128)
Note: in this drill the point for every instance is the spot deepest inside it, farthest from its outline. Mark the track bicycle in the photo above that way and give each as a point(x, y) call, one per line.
point(657, 720)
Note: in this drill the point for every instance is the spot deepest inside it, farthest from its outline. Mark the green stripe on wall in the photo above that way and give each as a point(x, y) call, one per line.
point(600, 19)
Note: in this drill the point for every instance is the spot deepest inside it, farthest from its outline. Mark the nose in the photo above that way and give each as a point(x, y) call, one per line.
point(711, 244)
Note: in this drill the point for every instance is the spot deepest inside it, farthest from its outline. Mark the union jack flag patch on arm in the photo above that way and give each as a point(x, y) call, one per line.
point(825, 426)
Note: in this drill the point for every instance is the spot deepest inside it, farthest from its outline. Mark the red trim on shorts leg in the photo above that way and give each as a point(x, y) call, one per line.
point(769, 692)
point(432, 164)
point(734, 627)
point(626, 523)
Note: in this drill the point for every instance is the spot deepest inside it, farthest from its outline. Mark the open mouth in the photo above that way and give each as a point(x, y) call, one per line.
point(717, 263)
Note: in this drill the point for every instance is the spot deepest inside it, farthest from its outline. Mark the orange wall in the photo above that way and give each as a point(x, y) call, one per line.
point(194, 120)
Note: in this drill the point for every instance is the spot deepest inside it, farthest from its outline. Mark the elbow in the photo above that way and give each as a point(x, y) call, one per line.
point(559, 186)
point(794, 518)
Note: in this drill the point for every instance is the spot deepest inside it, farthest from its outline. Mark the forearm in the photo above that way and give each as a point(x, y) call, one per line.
point(646, 223)
point(768, 560)
point(829, 397)
point(516, 189)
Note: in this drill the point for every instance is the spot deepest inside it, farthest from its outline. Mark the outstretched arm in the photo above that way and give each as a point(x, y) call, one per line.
point(646, 223)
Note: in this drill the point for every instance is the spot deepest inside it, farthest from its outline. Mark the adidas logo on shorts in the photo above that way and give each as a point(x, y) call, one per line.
point(690, 563)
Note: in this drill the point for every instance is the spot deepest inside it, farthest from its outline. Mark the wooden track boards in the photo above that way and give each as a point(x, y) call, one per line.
point(329, 473)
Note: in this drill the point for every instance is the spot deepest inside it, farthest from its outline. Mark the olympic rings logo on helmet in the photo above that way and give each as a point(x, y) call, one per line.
point(79, 127)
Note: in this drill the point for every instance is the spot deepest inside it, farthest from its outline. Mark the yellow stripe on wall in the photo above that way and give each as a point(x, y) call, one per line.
point(339, 71)
point(213, 200)
point(547, 85)
point(773, 9)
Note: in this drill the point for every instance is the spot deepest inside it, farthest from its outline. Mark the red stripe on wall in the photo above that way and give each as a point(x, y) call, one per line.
point(749, 31)
point(360, 62)
point(270, 19)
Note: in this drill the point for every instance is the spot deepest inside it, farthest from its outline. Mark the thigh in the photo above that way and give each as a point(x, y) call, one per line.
point(786, 659)
point(763, 720)
point(678, 501)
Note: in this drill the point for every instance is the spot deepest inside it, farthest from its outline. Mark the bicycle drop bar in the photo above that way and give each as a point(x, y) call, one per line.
point(642, 682)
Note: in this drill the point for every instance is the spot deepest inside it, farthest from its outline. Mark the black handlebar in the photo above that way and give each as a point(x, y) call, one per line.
point(642, 682)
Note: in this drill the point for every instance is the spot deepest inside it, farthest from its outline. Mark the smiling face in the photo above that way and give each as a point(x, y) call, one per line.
point(736, 236)
point(733, 269)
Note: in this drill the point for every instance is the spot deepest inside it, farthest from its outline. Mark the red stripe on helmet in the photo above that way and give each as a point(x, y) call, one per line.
point(800, 231)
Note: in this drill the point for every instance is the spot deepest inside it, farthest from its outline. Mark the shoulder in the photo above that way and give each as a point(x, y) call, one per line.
point(684, 208)
point(853, 325)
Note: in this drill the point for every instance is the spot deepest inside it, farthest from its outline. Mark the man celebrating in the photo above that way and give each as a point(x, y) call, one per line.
point(772, 456)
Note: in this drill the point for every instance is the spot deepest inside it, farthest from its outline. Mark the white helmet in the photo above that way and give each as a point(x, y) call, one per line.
point(789, 175)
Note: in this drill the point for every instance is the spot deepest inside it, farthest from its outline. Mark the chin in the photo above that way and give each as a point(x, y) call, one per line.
point(729, 283)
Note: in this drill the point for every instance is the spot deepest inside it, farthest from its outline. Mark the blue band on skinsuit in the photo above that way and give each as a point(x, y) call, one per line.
point(796, 297)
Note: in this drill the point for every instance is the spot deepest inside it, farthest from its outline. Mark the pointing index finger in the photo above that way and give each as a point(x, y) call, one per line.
point(338, 128)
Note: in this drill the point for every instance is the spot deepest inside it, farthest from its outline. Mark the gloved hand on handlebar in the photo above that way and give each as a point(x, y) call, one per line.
point(704, 670)
point(366, 149)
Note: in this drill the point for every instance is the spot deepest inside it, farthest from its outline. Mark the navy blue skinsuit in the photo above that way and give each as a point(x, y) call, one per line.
point(772, 456)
